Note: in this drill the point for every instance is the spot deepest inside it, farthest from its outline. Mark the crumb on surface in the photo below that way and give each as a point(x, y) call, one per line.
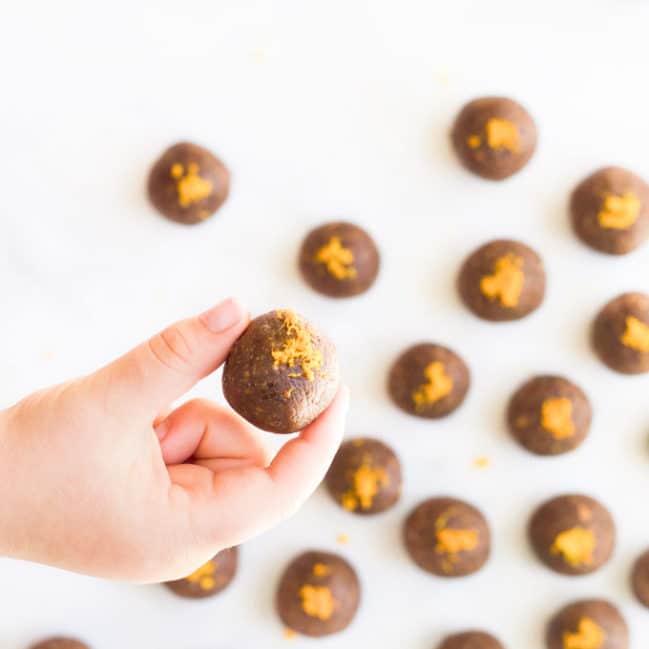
point(482, 462)
point(289, 634)
point(343, 539)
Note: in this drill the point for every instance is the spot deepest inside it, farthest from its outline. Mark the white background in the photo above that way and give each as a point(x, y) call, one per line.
point(327, 109)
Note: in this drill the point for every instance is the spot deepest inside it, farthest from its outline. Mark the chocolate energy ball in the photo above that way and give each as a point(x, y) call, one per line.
point(573, 534)
point(620, 334)
point(339, 260)
point(188, 183)
point(494, 137)
point(281, 373)
point(640, 578)
point(502, 280)
point(365, 476)
point(549, 415)
point(318, 594)
point(211, 578)
point(60, 643)
point(588, 624)
point(610, 210)
point(471, 640)
point(428, 381)
point(447, 537)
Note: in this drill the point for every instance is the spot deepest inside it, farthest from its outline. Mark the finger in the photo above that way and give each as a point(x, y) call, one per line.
point(236, 505)
point(206, 432)
point(157, 372)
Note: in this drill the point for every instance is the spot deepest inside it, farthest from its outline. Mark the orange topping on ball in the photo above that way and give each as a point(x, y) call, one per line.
point(204, 576)
point(589, 635)
point(636, 334)
point(321, 570)
point(576, 546)
point(317, 601)
point(452, 541)
point(190, 186)
point(556, 417)
point(438, 385)
point(502, 134)
point(298, 349)
point(366, 484)
point(619, 212)
point(337, 259)
point(506, 282)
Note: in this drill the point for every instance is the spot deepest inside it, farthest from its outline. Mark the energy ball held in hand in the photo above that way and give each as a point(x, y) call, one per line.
point(188, 183)
point(502, 280)
point(494, 137)
point(620, 334)
point(210, 579)
point(281, 373)
point(428, 381)
point(573, 534)
point(549, 415)
point(318, 594)
point(339, 260)
point(587, 624)
point(365, 476)
point(610, 211)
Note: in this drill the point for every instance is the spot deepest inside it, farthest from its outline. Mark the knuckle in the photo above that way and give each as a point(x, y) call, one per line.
point(171, 348)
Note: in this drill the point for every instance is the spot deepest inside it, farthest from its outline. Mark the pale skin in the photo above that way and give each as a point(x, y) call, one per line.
point(98, 475)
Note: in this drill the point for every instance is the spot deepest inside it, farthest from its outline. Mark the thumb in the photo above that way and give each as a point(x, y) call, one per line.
point(166, 366)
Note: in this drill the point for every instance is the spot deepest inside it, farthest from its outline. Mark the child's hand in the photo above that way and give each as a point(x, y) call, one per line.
point(96, 477)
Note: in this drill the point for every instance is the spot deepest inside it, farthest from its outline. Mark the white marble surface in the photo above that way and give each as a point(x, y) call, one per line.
point(326, 109)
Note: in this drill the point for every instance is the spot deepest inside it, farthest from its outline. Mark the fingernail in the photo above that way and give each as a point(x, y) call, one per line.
point(162, 429)
point(224, 315)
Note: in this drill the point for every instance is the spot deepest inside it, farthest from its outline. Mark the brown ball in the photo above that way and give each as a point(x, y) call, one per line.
point(447, 537)
point(188, 183)
point(210, 579)
point(365, 476)
point(620, 334)
point(60, 643)
point(610, 210)
point(587, 624)
point(281, 373)
point(549, 415)
point(494, 137)
point(573, 534)
point(471, 640)
point(428, 381)
point(502, 280)
point(640, 579)
point(318, 594)
point(339, 260)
